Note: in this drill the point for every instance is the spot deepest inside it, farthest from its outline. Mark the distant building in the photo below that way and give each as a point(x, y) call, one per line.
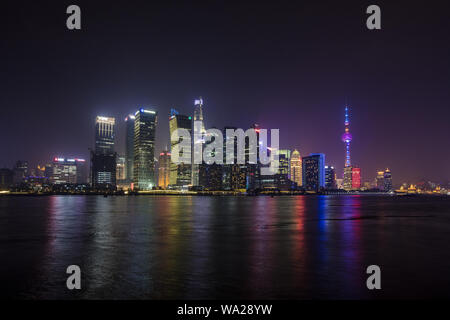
point(210, 175)
point(388, 181)
point(180, 174)
point(164, 170)
point(129, 147)
point(296, 168)
point(254, 179)
point(356, 178)
point(103, 157)
point(284, 169)
point(229, 170)
point(313, 172)
point(121, 169)
point(380, 180)
point(198, 116)
point(144, 149)
point(6, 178)
point(67, 171)
point(340, 184)
point(330, 177)
point(104, 134)
point(348, 178)
point(20, 172)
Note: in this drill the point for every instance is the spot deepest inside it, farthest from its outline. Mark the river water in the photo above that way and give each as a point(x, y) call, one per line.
point(183, 247)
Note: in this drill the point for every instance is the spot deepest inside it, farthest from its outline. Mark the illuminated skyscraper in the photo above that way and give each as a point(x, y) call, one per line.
point(347, 138)
point(144, 149)
point(180, 174)
point(103, 157)
point(284, 169)
point(356, 178)
point(380, 180)
point(198, 117)
point(296, 168)
point(387, 180)
point(104, 134)
point(313, 171)
point(164, 169)
point(330, 177)
point(120, 169)
point(129, 148)
point(20, 172)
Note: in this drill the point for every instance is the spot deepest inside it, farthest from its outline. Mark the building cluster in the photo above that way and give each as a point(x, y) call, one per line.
point(140, 168)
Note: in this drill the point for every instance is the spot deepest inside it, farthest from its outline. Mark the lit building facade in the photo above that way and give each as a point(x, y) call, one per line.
point(67, 171)
point(129, 147)
point(20, 172)
point(180, 174)
point(356, 178)
point(164, 170)
point(104, 134)
point(144, 149)
point(198, 116)
point(296, 168)
point(103, 157)
point(313, 172)
point(330, 177)
point(284, 169)
point(388, 181)
point(380, 180)
point(121, 169)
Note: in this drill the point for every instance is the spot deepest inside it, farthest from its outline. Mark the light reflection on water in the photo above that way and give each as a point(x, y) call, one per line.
point(170, 247)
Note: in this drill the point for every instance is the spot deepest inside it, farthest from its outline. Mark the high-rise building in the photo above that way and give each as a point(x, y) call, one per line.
point(347, 138)
point(313, 172)
point(103, 157)
point(180, 174)
point(227, 168)
point(129, 148)
point(296, 168)
point(20, 172)
point(67, 171)
point(253, 169)
point(6, 178)
point(347, 181)
point(210, 175)
point(144, 149)
point(104, 135)
point(330, 177)
point(164, 170)
point(339, 184)
point(380, 180)
point(121, 169)
point(356, 178)
point(387, 181)
point(198, 118)
point(284, 170)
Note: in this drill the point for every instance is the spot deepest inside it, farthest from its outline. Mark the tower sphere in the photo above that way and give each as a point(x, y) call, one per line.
point(347, 137)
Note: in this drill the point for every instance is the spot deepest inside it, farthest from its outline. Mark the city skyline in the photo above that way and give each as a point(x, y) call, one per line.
point(288, 86)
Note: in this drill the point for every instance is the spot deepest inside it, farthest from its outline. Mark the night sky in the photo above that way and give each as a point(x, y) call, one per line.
point(288, 65)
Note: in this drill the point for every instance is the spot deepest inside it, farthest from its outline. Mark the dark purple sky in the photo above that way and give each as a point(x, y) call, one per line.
point(287, 65)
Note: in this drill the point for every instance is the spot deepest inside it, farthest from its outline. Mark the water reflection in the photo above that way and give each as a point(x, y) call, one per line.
point(157, 247)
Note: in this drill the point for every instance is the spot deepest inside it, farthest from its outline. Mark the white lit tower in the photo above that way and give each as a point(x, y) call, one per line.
point(198, 117)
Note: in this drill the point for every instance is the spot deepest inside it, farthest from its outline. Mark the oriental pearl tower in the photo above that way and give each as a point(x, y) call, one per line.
point(347, 138)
